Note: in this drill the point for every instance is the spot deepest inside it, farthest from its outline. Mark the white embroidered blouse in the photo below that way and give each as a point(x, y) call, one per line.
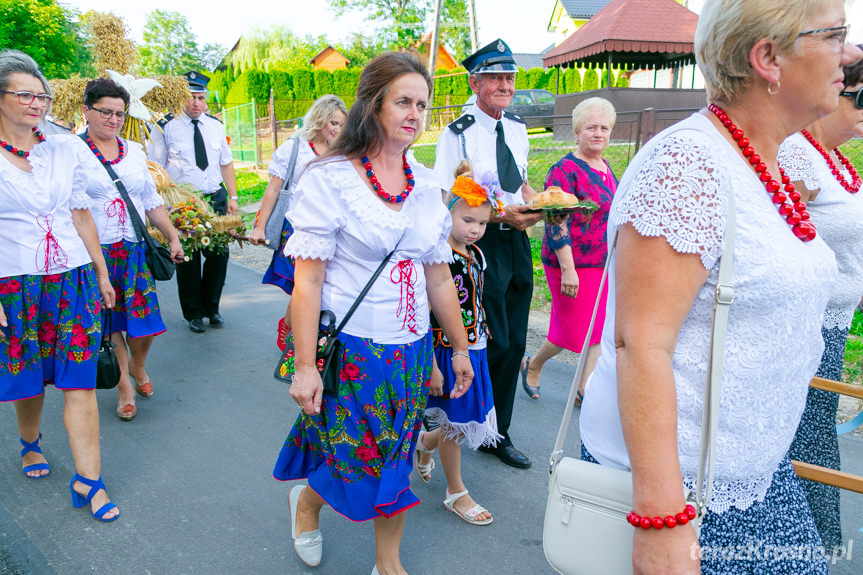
point(676, 187)
point(36, 230)
point(337, 218)
point(838, 217)
point(110, 212)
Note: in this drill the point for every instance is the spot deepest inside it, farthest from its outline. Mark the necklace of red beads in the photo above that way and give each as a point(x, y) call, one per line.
point(312, 146)
point(9, 147)
point(95, 150)
point(380, 191)
point(788, 201)
point(852, 187)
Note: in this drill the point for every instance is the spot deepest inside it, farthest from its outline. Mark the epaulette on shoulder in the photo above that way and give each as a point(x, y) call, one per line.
point(165, 120)
point(513, 117)
point(215, 118)
point(461, 124)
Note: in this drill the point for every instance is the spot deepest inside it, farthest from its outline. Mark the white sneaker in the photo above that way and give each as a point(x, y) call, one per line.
point(308, 546)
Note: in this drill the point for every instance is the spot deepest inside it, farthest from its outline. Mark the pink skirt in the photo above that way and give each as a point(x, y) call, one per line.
point(570, 317)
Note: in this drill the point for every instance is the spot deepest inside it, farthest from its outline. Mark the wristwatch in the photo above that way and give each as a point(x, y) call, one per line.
point(235, 198)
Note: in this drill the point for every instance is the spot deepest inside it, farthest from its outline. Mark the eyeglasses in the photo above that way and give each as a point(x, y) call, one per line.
point(26, 98)
point(106, 114)
point(838, 33)
point(857, 96)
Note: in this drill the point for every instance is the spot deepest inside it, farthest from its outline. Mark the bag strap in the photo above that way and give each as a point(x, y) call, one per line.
point(710, 409)
point(363, 293)
point(289, 173)
point(106, 334)
point(140, 230)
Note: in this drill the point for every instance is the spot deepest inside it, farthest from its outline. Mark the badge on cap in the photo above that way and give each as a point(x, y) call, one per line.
point(192, 75)
point(500, 47)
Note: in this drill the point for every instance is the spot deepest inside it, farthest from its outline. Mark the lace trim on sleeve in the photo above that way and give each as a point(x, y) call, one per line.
point(676, 195)
point(311, 246)
point(442, 254)
point(151, 199)
point(79, 200)
point(797, 165)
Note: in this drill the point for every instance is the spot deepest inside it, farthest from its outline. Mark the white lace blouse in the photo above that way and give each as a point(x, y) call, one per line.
point(676, 187)
point(36, 230)
point(838, 217)
point(337, 218)
point(109, 210)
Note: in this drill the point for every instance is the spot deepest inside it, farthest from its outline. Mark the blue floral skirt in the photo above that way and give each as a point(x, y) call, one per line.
point(281, 270)
point(53, 333)
point(776, 536)
point(137, 309)
point(357, 453)
point(471, 418)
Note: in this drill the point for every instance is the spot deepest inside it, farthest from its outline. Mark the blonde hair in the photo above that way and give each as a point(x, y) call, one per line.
point(464, 168)
point(586, 108)
point(728, 29)
point(320, 113)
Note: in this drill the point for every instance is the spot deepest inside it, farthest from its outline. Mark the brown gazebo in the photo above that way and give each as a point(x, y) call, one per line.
point(633, 34)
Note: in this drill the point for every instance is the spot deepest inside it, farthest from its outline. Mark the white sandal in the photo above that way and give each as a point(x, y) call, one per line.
point(471, 514)
point(423, 469)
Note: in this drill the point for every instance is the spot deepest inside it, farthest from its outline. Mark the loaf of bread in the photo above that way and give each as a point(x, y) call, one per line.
point(553, 197)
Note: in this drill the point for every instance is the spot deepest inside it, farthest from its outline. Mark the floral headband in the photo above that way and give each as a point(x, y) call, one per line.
point(476, 194)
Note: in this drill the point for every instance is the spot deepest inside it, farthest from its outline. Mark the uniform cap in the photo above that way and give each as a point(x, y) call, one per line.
point(197, 81)
point(494, 57)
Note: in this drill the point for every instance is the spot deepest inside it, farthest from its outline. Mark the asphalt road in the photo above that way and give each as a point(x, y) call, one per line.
point(192, 473)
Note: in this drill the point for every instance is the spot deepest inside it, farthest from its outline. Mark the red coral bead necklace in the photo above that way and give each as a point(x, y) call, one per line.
point(120, 155)
point(376, 186)
point(852, 187)
point(312, 146)
point(786, 198)
point(9, 147)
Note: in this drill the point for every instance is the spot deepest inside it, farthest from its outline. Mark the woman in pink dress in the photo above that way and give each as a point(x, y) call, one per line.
point(573, 253)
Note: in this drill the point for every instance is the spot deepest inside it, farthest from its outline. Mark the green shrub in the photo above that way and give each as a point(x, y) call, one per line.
point(323, 83)
point(258, 85)
point(572, 81)
point(521, 81)
point(534, 77)
point(304, 85)
point(591, 80)
point(282, 84)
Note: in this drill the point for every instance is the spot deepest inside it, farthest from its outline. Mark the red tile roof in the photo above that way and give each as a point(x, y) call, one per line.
point(630, 26)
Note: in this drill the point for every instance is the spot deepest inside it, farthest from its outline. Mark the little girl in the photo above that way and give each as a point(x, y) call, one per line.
point(470, 419)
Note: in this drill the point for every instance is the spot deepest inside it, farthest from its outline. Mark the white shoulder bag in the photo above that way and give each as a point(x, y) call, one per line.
point(585, 530)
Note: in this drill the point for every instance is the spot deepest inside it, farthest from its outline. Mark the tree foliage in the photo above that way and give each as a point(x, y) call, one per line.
point(170, 46)
point(48, 32)
point(276, 48)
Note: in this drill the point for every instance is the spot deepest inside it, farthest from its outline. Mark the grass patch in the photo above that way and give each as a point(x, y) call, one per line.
point(250, 186)
point(541, 300)
point(854, 351)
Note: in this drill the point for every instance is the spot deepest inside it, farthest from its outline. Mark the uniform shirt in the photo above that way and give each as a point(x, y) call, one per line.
point(174, 148)
point(338, 219)
point(478, 143)
point(110, 212)
point(36, 229)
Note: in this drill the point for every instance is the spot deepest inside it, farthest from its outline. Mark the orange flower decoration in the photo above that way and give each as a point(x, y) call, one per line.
point(474, 194)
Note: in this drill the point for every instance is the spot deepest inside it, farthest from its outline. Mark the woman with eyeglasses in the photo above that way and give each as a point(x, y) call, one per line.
point(771, 68)
point(831, 187)
point(137, 309)
point(52, 278)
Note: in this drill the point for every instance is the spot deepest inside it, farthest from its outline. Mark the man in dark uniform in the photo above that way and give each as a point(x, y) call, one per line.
point(193, 149)
point(495, 142)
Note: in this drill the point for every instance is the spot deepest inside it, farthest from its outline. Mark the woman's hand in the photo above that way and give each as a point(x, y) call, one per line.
point(3, 322)
point(569, 282)
point(307, 389)
point(463, 371)
point(177, 254)
point(436, 381)
point(258, 236)
point(106, 290)
point(668, 551)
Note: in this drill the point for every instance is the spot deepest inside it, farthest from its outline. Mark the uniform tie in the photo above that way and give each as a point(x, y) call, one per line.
point(507, 171)
point(200, 150)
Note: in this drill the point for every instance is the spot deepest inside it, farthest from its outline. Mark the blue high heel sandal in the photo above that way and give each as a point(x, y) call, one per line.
point(79, 500)
point(34, 447)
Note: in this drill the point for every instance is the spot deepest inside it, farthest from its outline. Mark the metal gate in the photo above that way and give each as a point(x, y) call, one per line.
point(241, 133)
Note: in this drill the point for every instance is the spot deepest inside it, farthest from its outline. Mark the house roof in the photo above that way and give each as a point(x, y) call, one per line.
point(325, 52)
point(527, 61)
point(637, 33)
point(583, 9)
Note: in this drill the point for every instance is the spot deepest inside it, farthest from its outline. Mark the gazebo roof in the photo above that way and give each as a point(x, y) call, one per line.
point(635, 33)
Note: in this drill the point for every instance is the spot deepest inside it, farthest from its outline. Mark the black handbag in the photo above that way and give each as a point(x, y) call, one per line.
point(158, 257)
point(107, 367)
point(328, 357)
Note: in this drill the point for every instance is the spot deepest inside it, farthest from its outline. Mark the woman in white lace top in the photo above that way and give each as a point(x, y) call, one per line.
point(356, 446)
point(771, 68)
point(830, 186)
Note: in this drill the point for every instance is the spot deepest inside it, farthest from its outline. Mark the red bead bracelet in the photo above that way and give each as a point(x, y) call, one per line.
point(682, 518)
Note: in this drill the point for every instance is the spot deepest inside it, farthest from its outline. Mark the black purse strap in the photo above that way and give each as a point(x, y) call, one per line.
point(363, 293)
point(140, 230)
point(106, 333)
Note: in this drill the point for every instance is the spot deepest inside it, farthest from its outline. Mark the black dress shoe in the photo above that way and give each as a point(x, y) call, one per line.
point(509, 455)
point(197, 325)
point(216, 320)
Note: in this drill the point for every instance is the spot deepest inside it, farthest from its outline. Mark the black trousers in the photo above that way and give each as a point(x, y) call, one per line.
point(507, 291)
point(201, 289)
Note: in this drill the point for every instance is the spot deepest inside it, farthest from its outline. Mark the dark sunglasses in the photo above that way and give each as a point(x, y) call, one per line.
point(857, 96)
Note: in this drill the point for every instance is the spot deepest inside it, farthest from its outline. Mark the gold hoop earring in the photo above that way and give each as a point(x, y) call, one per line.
point(771, 90)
